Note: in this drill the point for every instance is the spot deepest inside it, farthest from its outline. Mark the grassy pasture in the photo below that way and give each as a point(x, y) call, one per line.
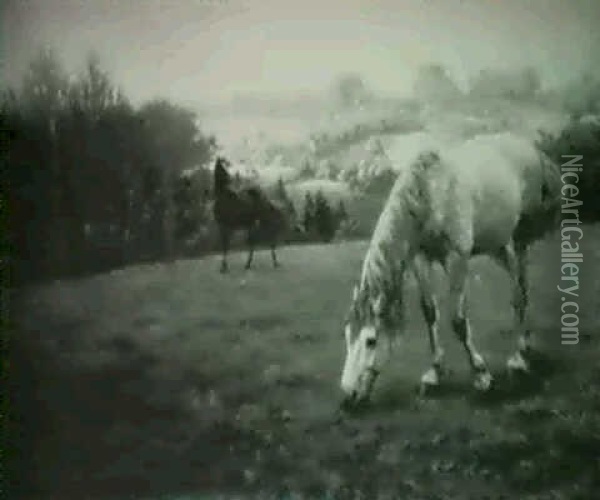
point(175, 382)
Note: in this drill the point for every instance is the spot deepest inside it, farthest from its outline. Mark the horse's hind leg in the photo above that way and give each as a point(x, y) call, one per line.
point(225, 235)
point(429, 307)
point(515, 263)
point(274, 255)
point(460, 322)
point(520, 359)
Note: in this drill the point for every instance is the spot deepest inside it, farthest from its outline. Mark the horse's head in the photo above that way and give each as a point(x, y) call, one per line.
point(368, 332)
point(221, 176)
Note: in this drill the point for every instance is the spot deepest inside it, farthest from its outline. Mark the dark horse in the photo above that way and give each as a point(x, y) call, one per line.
point(246, 209)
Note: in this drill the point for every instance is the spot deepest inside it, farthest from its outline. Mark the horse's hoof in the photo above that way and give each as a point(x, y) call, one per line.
point(517, 364)
point(430, 381)
point(430, 377)
point(483, 381)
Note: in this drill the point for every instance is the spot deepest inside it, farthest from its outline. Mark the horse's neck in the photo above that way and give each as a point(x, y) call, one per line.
point(393, 243)
point(385, 263)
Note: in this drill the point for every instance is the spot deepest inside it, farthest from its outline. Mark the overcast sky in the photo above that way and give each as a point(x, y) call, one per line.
point(194, 50)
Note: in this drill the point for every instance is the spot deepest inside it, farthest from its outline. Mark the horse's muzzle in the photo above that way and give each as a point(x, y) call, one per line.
point(353, 400)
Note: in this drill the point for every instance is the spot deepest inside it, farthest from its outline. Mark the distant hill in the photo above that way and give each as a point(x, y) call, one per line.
point(313, 145)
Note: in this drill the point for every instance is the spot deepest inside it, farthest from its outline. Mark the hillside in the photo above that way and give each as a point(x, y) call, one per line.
point(343, 152)
point(174, 379)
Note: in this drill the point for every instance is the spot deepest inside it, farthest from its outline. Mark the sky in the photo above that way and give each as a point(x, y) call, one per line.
point(211, 50)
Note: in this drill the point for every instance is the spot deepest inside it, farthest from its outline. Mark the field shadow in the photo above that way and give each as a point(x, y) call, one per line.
point(513, 387)
point(506, 388)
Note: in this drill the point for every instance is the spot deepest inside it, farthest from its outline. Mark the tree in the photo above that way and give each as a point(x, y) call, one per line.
point(341, 214)
point(581, 136)
point(581, 96)
point(350, 90)
point(43, 96)
point(433, 83)
point(82, 161)
point(307, 171)
point(104, 163)
point(282, 195)
point(176, 145)
point(44, 86)
point(280, 191)
point(523, 84)
point(309, 213)
point(324, 218)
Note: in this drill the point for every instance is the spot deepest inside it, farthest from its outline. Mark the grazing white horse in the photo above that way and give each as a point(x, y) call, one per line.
point(492, 195)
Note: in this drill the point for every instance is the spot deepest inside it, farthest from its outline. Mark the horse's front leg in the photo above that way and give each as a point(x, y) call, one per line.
point(515, 263)
point(458, 273)
point(251, 240)
point(520, 360)
point(225, 236)
point(274, 254)
point(422, 269)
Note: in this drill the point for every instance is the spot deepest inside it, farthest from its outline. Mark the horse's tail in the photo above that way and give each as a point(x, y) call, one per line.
point(221, 178)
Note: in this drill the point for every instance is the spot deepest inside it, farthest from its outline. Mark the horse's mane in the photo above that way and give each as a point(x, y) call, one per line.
point(551, 181)
point(408, 203)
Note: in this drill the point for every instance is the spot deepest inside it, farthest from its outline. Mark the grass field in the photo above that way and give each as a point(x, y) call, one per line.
point(175, 382)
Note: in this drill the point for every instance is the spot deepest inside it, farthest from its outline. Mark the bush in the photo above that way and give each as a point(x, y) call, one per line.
point(581, 136)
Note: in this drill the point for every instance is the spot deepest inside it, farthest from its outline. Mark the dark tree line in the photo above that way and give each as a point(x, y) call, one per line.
point(321, 221)
point(91, 178)
point(581, 137)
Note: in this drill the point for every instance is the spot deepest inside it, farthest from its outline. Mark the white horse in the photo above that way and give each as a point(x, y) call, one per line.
point(492, 195)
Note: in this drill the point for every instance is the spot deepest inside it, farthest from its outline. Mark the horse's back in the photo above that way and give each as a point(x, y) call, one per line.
point(499, 159)
point(497, 180)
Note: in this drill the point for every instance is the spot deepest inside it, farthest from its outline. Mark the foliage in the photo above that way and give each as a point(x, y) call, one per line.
point(341, 214)
point(282, 196)
point(350, 90)
point(523, 84)
point(92, 177)
point(324, 218)
point(433, 83)
point(582, 95)
point(321, 220)
point(309, 212)
point(580, 137)
point(364, 125)
point(192, 214)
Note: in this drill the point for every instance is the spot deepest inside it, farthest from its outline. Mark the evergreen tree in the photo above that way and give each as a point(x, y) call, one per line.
point(309, 213)
point(324, 221)
point(280, 191)
point(341, 213)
